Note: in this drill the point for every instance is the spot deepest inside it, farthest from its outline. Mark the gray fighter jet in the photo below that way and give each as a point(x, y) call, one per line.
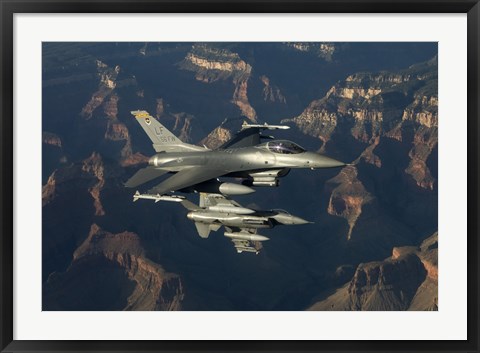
point(244, 156)
point(241, 224)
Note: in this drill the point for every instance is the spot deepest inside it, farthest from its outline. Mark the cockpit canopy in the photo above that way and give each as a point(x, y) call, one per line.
point(284, 147)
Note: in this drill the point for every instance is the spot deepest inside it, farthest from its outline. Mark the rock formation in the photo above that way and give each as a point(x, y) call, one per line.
point(108, 81)
point(51, 139)
point(348, 197)
point(408, 280)
point(153, 287)
point(375, 107)
point(325, 51)
point(212, 64)
point(89, 174)
point(217, 137)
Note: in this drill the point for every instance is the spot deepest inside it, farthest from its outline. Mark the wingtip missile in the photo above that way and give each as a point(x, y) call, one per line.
point(265, 126)
point(157, 197)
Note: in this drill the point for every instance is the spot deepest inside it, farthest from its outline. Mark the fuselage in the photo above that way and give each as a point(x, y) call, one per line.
point(246, 159)
point(260, 219)
point(231, 220)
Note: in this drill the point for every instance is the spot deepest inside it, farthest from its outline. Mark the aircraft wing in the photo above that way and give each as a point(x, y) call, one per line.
point(185, 178)
point(245, 138)
point(216, 199)
point(250, 135)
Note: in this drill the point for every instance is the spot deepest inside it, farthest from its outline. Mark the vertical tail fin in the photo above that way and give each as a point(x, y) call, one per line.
point(201, 201)
point(203, 229)
point(136, 196)
point(163, 140)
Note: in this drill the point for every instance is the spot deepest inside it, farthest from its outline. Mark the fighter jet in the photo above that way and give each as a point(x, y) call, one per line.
point(244, 156)
point(241, 224)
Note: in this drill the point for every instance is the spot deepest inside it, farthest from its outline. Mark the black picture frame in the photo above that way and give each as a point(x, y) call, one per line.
point(10, 7)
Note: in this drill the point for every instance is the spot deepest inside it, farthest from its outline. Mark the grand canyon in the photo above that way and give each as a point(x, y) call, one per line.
point(374, 241)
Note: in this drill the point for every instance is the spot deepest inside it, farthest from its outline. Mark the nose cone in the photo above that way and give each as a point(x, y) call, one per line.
point(320, 161)
point(298, 220)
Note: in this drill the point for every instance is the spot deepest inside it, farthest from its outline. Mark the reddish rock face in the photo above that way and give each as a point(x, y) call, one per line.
point(240, 99)
point(94, 166)
point(271, 93)
point(51, 139)
point(347, 199)
point(110, 108)
point(116, 131)
point(134, 159)
point(106, 96)
point(366, 105)
point(89, 175)
point(153, 287)
point(211, 64)
point(408, 280)
point(217, 137)
point(96, 101)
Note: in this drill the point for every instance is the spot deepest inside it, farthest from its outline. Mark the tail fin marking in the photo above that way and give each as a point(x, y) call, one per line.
point(162, 139)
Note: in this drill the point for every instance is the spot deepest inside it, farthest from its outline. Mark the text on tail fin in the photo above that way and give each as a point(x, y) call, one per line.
point(162, 139)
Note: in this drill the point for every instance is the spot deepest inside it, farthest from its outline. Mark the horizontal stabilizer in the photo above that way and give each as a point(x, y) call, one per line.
point(144, 175)
point(190, 205)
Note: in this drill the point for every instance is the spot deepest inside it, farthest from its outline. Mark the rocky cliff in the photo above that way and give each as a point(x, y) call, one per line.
point(151, 287)
point(408, 280)
point(107, 83)
point(211, 64)
point(51, 139)
point(217, 137)
point(325, 51)
point(372, 108)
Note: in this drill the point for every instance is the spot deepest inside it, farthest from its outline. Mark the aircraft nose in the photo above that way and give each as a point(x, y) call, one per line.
point(298, 220)
point(320, 161)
